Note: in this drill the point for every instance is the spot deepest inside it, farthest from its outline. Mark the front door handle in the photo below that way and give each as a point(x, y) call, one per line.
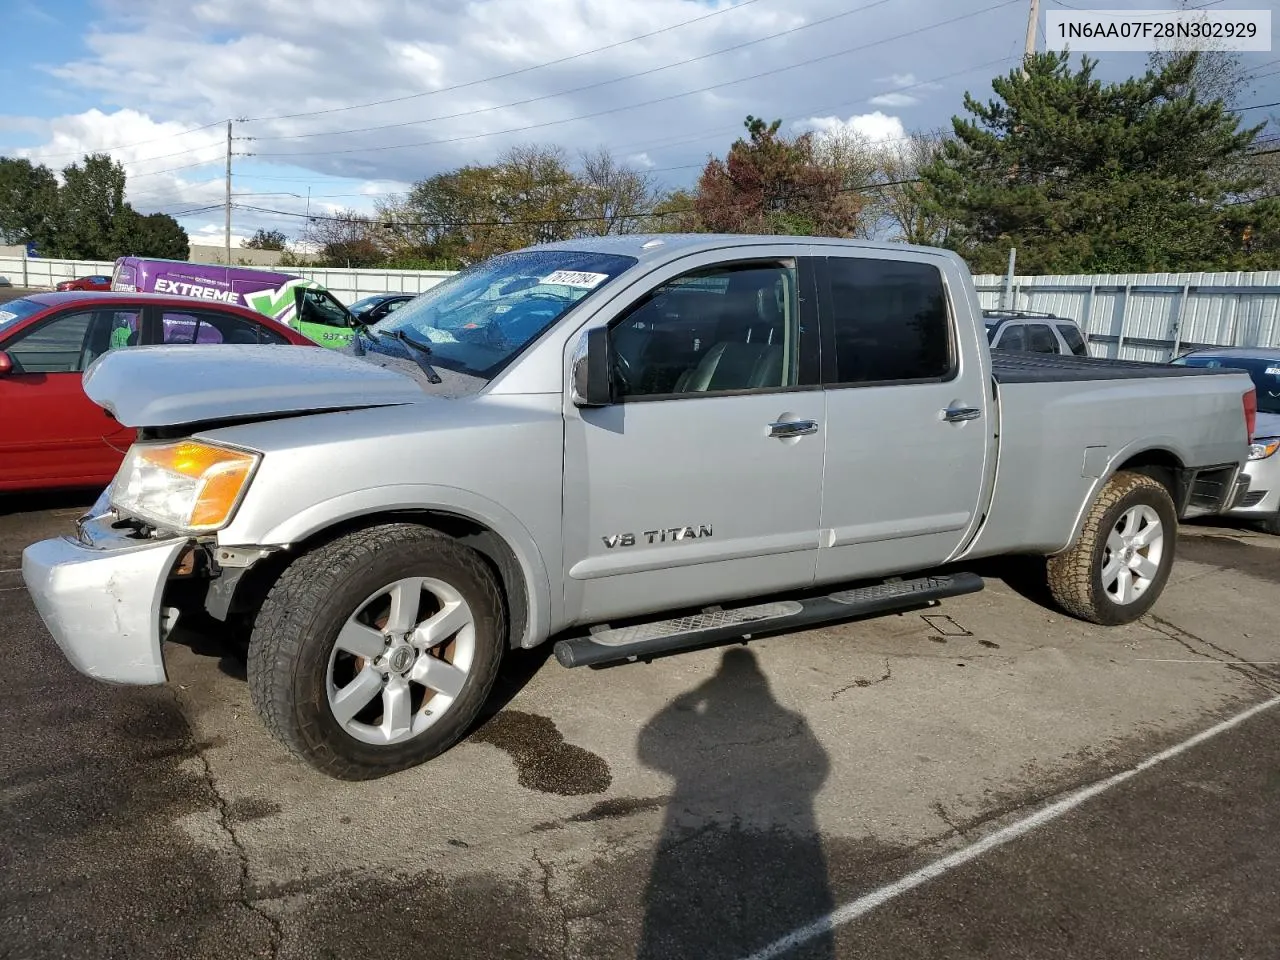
point(956, 414)
point(792, 428)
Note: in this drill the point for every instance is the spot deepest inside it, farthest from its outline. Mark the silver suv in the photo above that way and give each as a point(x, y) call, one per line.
point(1030, 332)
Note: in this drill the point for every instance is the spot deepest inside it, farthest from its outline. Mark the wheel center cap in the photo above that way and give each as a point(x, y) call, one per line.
point(401, 658)
point(1128, 553)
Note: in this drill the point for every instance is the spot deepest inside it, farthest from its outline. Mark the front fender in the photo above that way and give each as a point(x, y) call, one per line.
point(369, 501)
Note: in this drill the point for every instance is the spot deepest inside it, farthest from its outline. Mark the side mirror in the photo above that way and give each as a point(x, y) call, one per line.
point(6, 364)
point(592, 384)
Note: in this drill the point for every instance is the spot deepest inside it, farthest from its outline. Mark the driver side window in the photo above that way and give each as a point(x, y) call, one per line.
point(725, 329)
point(319, 307)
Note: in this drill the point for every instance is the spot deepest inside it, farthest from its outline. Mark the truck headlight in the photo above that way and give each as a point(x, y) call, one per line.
point(1262, 448)
point(184, 486)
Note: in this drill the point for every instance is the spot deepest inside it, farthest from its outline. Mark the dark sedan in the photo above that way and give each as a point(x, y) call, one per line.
point(372, 309)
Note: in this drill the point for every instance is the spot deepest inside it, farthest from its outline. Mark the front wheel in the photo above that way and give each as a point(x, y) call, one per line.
point(1116, 570)
point(376, 651)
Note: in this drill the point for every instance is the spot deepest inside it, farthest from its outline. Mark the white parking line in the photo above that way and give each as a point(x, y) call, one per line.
point(1221, 663)
point(868, 902)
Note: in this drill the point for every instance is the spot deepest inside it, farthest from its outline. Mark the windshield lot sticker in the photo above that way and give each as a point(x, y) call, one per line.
point(6, 316)
point(1273, 371)
point(576, 278)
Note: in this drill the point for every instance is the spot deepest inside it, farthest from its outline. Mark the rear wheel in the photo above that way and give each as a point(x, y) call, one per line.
point(1118, 567)
point(376, 652)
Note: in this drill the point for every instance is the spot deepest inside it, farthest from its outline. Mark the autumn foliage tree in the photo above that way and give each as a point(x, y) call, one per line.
point(771, 184)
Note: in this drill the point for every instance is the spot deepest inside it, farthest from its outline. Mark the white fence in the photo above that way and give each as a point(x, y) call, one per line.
point(1136, 316)
point(1152, 316)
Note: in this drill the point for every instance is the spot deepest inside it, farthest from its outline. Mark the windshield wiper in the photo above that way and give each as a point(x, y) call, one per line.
point(421, 352)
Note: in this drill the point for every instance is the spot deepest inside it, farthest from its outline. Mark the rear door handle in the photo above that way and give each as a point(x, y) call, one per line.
point(792, 428)
point(958, 414)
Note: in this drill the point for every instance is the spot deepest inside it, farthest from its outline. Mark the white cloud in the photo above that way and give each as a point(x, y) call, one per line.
point(151, 74)
point(211, 235)
point(893, 100)
point(903, 80)
point(876, 127)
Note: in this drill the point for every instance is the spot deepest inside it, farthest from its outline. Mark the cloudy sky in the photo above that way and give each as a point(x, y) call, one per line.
point(348, 100)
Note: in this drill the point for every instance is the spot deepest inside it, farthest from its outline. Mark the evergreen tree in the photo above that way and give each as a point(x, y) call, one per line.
point(1084, 176)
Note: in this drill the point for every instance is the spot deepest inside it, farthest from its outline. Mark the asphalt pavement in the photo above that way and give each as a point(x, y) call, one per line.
point(699, 806)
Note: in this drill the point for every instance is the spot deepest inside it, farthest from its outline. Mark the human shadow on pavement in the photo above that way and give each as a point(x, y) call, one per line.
point(740, 862)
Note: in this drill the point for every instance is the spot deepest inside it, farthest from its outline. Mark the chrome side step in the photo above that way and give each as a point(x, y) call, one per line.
point(715, 626)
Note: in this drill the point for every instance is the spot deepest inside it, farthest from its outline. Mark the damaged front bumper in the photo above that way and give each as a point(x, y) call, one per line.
point(100, 594)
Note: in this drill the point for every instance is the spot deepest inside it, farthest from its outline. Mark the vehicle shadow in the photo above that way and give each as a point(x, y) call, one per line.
point(1027, 576)
point(740, 861)
point(35, 501)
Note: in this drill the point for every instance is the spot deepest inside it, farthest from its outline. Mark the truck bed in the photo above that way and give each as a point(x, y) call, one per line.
point(1018, 367)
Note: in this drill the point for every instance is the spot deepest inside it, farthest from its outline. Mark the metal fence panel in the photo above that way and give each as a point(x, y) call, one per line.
point(1153, 316)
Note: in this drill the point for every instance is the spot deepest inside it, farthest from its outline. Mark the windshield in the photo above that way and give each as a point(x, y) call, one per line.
point(368, 303)
point(1264, 373)
point(16, 310)
point(477, 321)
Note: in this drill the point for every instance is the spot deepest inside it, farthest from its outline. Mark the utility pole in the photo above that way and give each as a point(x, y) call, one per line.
point(1032, 21)
point(228, 203)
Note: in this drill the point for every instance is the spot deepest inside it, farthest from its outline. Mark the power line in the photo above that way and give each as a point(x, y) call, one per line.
point(636, 215)
point(189, 166)
point(581, 89)
point(512, 73)
point(139, 143)
point(634, 106)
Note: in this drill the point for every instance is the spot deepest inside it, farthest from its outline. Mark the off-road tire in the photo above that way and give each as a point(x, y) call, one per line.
point(295, 629)
point(1075, 575)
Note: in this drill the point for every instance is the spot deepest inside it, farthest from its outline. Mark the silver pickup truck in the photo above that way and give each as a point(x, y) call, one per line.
point(630, 446)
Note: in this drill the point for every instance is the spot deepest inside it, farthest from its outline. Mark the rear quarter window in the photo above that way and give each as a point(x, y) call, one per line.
point(1073, 339)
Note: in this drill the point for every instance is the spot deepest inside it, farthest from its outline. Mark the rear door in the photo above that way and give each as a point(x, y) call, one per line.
point(52, 434)
point(907, 403)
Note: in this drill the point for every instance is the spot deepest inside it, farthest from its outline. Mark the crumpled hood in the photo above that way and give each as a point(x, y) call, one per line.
point(162, 386)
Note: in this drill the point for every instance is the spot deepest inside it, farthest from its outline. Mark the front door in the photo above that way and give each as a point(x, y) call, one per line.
point(702, 480)
point(323, 319)
point(908, 418)
point(52, 434)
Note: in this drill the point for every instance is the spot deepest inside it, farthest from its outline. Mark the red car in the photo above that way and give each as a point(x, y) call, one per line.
point(51, 434)
point(85, 283)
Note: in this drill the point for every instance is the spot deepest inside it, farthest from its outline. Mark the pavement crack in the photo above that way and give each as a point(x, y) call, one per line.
point(1184, 638)
point(548, 873)
point(861, 682)
point(226, 822)
point(945, 817)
